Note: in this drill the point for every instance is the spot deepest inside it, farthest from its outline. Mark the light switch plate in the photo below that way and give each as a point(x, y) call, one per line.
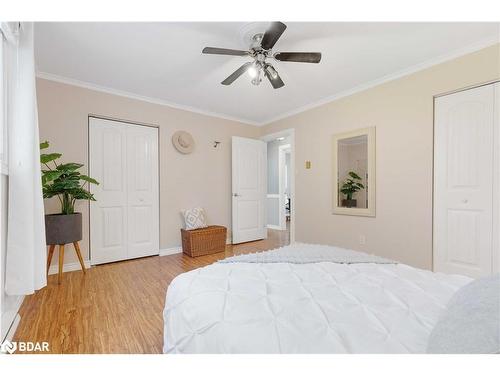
point(308, 164)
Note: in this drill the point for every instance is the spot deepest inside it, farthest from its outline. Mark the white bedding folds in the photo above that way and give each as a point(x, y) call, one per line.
point(320, 307)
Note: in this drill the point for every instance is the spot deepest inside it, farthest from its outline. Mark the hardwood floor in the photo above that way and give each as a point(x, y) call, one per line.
point(117, 307)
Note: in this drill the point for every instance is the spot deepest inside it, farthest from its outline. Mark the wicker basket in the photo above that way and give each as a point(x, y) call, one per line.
point(203, 241)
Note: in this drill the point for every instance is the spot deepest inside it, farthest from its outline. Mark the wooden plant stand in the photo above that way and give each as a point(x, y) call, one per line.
point(61, 258)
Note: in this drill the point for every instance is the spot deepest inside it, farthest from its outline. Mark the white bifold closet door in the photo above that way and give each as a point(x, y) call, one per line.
point(466, 169)
point(124, 221)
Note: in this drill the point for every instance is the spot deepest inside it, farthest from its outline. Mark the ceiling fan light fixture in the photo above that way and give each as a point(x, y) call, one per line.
point(253, 71)
point(272, 72)
point(258, 78)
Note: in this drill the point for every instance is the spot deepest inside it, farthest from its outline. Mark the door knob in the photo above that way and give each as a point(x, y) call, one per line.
point(236, 195)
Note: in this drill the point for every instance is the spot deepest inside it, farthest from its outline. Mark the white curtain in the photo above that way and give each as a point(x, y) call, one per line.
point(26, 249)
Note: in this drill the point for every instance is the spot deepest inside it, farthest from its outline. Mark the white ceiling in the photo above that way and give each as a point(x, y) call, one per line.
point(163, 61)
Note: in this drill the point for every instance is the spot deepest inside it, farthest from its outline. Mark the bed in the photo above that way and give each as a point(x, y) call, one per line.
point(305, 299)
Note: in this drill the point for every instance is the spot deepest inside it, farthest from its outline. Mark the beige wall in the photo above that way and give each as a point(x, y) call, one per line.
point(402, 112)
point(202, 178)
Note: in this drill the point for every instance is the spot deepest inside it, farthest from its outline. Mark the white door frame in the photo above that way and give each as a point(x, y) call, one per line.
point(496, 183)
point(102, 117)
point(291, 134)
point(282, 151)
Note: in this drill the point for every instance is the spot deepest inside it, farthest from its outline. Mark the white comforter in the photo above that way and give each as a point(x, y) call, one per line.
point(305, 308)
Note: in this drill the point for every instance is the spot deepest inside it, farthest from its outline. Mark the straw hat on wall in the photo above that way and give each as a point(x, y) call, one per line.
point(183, 142)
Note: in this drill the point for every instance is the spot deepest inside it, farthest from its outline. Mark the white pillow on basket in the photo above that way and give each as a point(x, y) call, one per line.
point(194, 218)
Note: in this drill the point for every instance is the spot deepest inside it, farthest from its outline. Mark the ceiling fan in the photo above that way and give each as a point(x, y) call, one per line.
point(261, 50)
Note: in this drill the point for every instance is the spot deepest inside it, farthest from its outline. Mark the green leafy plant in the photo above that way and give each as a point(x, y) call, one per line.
point(351, 185)
point(64, 181)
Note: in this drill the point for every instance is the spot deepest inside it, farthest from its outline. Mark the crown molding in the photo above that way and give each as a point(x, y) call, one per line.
point(387, 78)
point(126, 94)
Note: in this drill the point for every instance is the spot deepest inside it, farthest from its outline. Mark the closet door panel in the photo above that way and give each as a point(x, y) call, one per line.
point(143, 198)
point(108, 214)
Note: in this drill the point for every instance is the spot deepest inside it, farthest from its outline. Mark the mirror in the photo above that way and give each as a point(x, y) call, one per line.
point(354, 173)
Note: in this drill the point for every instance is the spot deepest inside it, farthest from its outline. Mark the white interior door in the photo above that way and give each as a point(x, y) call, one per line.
point(249, 158)
point(124, 220)
point(463, 182)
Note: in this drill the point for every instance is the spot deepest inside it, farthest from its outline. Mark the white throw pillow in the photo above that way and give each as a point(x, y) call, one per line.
point(194, 218)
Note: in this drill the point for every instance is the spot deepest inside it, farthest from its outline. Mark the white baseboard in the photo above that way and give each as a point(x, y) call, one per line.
point(68, 267)
point(275, 227)
point(170, 251)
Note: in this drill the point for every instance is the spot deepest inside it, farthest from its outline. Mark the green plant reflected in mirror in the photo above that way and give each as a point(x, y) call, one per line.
point(350, 186)
point(354, 173)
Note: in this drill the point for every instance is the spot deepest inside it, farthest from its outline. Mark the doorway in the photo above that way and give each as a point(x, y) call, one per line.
point(280, 202)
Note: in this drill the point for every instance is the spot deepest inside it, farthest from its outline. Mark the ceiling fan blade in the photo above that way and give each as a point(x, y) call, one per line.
point(272, 35)
point(242, 69)
point(224, 51)
point(304, 57)
point(276, 81)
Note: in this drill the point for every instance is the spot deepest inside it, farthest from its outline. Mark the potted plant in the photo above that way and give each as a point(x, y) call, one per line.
point(68, 185)
point(350, 186)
